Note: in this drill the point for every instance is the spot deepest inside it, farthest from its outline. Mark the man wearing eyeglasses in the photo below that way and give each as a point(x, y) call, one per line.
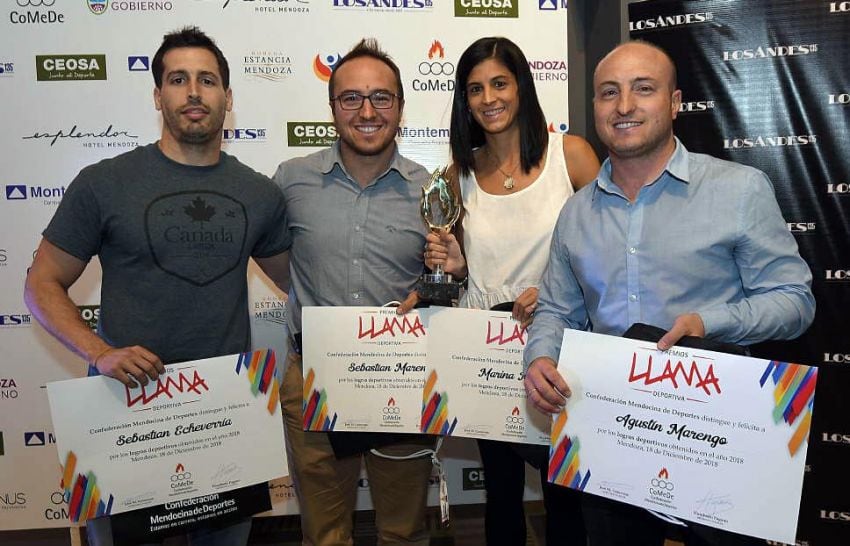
point(357, 239)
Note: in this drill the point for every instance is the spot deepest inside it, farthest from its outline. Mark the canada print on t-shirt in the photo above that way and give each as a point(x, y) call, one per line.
point(198, 236)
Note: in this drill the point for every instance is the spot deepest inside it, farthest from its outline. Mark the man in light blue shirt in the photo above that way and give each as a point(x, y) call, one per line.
point(683, 241)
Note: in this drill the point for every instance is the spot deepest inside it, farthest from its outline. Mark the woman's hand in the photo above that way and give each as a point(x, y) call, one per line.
point(443, 249)
point(524, 306)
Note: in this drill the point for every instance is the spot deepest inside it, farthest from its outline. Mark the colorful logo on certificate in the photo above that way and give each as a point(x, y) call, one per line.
point(435, 410)
point(564, 463)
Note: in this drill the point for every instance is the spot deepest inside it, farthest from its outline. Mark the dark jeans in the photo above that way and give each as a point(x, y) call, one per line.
point(504, 518)
point(611, 523)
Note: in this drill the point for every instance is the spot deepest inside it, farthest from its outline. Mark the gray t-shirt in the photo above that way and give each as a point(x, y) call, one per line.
point(173, 242)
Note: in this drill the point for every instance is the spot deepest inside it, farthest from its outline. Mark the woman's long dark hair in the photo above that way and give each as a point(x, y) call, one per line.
point(466, 134)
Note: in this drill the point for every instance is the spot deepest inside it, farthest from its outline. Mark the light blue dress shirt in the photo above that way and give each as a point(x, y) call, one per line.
point(706, 237)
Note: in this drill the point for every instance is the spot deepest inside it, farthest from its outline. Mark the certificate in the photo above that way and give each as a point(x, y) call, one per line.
point(203, 428)
point(709, 437)
point(364, 368)
point(474, 386)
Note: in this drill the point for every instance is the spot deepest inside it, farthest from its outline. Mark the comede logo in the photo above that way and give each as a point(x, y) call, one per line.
point(661, 486)
point(35, 16)
point(497, 333)
point(323, 65)
point(692, 375)
point(168, 387)
point(514, 420)
point(370, 326)
point(59, 510)
point(181, 479)
point(436, 70)
point(391, 411)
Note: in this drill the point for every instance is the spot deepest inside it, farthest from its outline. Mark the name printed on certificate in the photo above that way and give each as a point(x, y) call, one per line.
point(179, 437)
point(364, 368)
point(474, 386)
point(708, 437)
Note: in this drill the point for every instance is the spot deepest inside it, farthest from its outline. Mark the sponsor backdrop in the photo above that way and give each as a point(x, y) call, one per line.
point(76, 87)
point(767, 83)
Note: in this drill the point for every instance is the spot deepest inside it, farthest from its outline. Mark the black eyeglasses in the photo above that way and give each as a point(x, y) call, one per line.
point(352, 100)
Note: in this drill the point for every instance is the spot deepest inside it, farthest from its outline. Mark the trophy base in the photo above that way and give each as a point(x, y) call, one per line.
point(439, 289)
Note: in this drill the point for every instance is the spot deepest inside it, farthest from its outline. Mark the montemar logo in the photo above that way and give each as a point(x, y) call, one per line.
point(695, 375)
point(372, 327)
point(770, 51)
point(667, 21)
point(310, 133)
point(70, 67)
point(487, 8)
point(177, 383)
point(759, 141)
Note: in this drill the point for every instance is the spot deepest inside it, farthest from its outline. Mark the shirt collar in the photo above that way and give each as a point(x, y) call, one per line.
point(398, 163)
point(677, 168)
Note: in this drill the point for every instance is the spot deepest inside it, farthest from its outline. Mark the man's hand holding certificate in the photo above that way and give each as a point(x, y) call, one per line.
point(708, 437)
point(203, 427)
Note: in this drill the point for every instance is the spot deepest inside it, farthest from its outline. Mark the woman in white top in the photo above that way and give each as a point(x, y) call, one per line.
point(514, 178)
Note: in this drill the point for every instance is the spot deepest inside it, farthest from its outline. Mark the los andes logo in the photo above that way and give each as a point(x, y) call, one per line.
point(691, 375)
point(166, 387)
point(499, 335)
point(372, 327)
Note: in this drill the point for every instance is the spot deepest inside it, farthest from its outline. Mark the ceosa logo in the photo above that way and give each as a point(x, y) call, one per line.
point(98, 7)
point(323, 65)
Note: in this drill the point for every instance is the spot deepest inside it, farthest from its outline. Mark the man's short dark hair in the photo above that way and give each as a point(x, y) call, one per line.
point(188, 37)
point(367, 47)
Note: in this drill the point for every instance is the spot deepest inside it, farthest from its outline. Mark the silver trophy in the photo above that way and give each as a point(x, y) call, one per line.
point(440, 208)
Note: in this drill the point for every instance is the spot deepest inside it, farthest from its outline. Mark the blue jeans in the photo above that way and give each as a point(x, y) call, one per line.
point(99, 533)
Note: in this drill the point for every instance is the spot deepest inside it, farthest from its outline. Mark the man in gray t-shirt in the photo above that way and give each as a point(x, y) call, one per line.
point(173, 224)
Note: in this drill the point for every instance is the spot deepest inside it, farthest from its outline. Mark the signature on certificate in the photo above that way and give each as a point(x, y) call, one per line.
point(225, 471)
point(713, 504)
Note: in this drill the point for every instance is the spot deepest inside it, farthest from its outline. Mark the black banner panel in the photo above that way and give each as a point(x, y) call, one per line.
point(767, 83)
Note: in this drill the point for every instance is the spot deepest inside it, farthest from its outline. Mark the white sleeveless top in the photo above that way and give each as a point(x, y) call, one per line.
point(506, 237)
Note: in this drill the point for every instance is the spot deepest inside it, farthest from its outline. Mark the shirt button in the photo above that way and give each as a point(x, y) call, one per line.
point(355, 296)
point(632, 250)
point(356, 228)
point(354, 261)
point(632, 297)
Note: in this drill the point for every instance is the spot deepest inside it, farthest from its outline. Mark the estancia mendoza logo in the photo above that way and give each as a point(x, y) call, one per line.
point(487, 8)
point(273, 66)
point(70, 67)
point(667, 21)
point(35, 12)
point(310, 133)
